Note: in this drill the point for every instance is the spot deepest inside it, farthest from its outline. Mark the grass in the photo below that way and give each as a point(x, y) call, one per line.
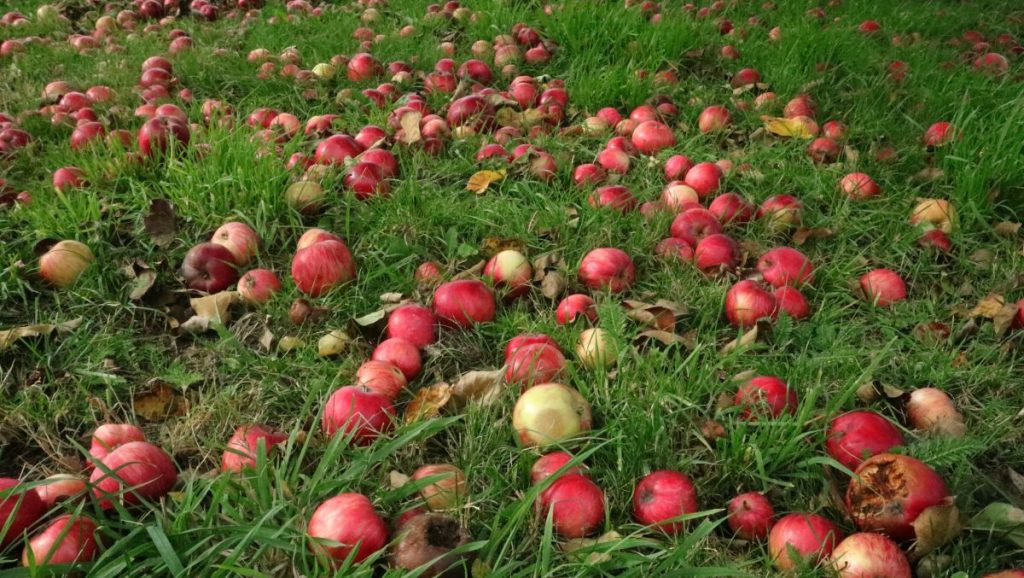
point(648, 413)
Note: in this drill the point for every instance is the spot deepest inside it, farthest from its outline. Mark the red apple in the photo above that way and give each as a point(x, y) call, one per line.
point(61, 487)
point(745, 77)
point(534, 363)
point(765, 395)
point(350, 527)
point(673, 248)
point(614, 160)
point(780, 212)
point(715, 253)
point(576, 306)
point(807, 537)
point(158, 133)
point(936, 239)
point(66, 178)
point(109, 437)
point(575, 504)
point(64, 263)
point(322, 266)
point(824, 150)
point(883, 287)
point(447, 489)
point(381, 377)
point(663, 496)
point(258, 285)
point(750, 516)
point(363, 66)
point(747, 302)
point(651, 136)
point(732, 208)
point(868, 554)
point(240, 239)
point(938, 134)
point(335, 149)
point(607, 268)
point(791, 301)
point(413, 323)
point(313, 236)
point(859, 186)
point(20, 508)
point(359, 413)
point(785, 266)
point(676, 167)
point(588, 174)
point(524, 339)
point(857, 435)
point(209, 267)
point(705, 178)
point(428, 274)
point(834, 130)
point(510, 270)
point(402, 354)
point(550, 413)
point(242, 448)
point(679, 196)
point(713, 118)
point(464, 303)
point(68, 540)
point(888, 493)
point(132, 472)
point(694, 224)
point(549, 464)
point(931, 410)
point(615, 197)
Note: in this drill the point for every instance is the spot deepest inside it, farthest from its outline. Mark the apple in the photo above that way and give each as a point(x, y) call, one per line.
point(835, 130)
point(679, 196)
point(336, 149)
point(447, 487)
point(732, 208)
point(791, 301)
point(132, 472)
point(381, 377)
point(607, 268)
point(615, 197)
point(931, 410)
point(549, 413)
point(883, 287)
point(857, 435)
point(258, 285)
point(673, 248)
point(413, 323)
point(713, 119)
point(66, 178)
point(597, 348)
point(464, 303)
point(824, 150)
point(20, 509)
point(403, 354)
point(934, 214)
point(351, 525)
point(936, 239)
point(716, 253)
point(747, 302)
point(614, 160)
point(64, 263)
point(651, 136)
point(888, 493)
point(524, 339)
point(574, 307)
point(357, 413)
point(745, 77)
point(765, 395)
point(938, 134)
point(534, 363)
point(159, 132)
point(510, 270)
point(322, 266)
point(800, 105)
point(61, 487)
point(209, 267)
point(549, 464)
point(313, 236)
point(705, 178)
point(809, 538)
point(661, 497)
point(69, 539)
point(363, 66)
point(428, 274)
point(750, 516)
point(676, 167)
point(575, 504)
point(240, 239)
point(85, 134)
point(692, 225)
point(366, 180)
point(780, 212)
point(870, 554)
point(588, 174)
point(242, 448)
point(859, 186)
point(783, 266)
point(109, 437)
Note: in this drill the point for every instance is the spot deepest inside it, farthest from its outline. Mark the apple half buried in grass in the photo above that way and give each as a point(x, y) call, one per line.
point(550, 413)
point(575, 504)
point(765, 395)
point(67, 540)
point(574, 307)
point(549, 464)
point(661, 497)
point(133, 472)
point(809, 538)
point(347, 525)
point(883, 287)
point(534, 363)
point(20, 508)
point(242, 448)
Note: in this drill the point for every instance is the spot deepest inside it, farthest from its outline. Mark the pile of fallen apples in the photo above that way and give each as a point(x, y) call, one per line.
point(890, 497)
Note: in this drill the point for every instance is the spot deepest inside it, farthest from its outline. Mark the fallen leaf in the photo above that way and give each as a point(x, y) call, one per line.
point(480, 180)
point(982, 258)
point(801, 235)
point(545, 263)
point(473, 271)
point(934, 527)
point(375, 317)
point(712, 430)
point(867, 392)
point(9, 336)
point(410, 123)
point(397, 479)
point(663, 337)
point(787, 127)
point(159, 222)
point(267, 340)
point(587, 546)
point(1002, 520)
point(1007, 229)
point(210, 310)
point(1004, 318)
point(428, 402)
point(1017, 480)
point(553, 285)
point(659, 315)
point(391, 298)
point(850, 154)
point(960, 360)
point(931, 333)
point(989, 306)
point(144, 281)
point(741, 341)
point(936, 565)
point(478, 387)
point(159, 402)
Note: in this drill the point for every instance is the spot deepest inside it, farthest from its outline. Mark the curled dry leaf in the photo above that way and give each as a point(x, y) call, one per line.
point(428, 402)
point(395, 298)
point(687, 340)
point(931, 333)
point(267, 339)
point(397, 479)
point(159, 222)
point(936, 526)
point(375, 317)
point(472, 272)
point(1007, 229)
point(742, 341)
point(660, 315)
point(410, 123)
point(802, 235)
point(478, 387)
point(988, 307)
point(580, 546)
point(553, 285)
point(481, 180)
point(159, 402)
point(787, 127)
point(210, 310)
point(9, 336)
point(712, 430)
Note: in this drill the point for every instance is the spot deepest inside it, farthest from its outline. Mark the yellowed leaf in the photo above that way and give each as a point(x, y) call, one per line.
point(1003, 318)
point(480, 387)
point(480, 180)
point(936, 526)
point(587, 546)
point(160, 402)
point(428, 402)
point(988, 307)
point(9, 336)
point(210, 310)
point(397, 479)
point(741, 341)
point(788, 127)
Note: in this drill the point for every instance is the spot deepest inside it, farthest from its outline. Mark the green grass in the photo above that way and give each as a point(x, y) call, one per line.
point(55, 390)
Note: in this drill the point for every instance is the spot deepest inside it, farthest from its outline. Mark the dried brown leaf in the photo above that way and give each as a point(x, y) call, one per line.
point(1004, 318)
point(480, 180)
point(577, 544)
point(1007, 229)
point(493, 245)
point(936, 526)
point(802, 235)
point(989, 306)
point(267, 340)
point(478, 387)
point(553, 285)
point(742, 341)
point(428, 402)
point(659, 315)
point(663, 337)
point(159, 402)
point(159, 222)
point(9, 336)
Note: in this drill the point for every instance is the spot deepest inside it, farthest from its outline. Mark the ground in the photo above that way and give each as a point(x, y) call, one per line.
point(651, 411)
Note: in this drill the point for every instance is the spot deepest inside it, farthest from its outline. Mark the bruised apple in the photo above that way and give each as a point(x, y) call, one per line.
point(258, 285)
point(447, 486)
point(574, 307)
point(381, 377)
point(889, 492)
